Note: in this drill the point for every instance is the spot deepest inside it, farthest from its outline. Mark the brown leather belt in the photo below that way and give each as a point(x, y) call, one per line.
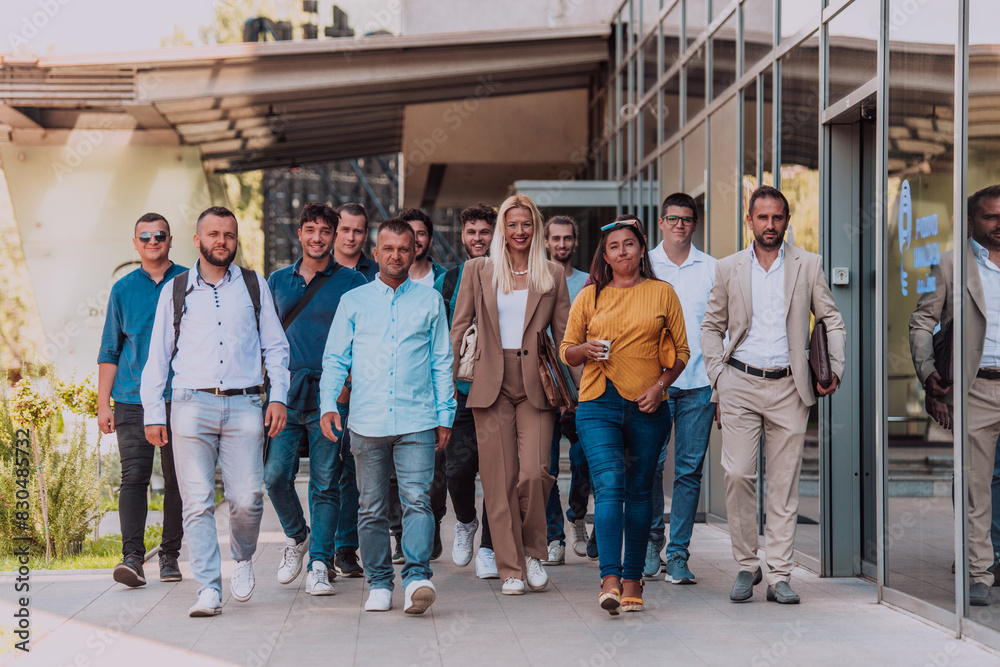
point(234, 392)
point(775, 374)
point(988, 373)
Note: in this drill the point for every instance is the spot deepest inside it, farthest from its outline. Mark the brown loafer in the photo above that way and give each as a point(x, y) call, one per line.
point(611, 593)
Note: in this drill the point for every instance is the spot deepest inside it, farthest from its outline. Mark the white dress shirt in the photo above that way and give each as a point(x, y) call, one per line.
point(218, 344)
point(511, 310)
point(692, 281)
point(766, 344)
point(989, 274)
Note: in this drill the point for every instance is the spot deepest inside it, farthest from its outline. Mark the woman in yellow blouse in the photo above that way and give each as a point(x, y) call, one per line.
point(620, 419)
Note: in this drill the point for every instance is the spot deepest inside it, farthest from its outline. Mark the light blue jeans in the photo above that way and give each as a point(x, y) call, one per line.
point(412, 455)
point(228, 430)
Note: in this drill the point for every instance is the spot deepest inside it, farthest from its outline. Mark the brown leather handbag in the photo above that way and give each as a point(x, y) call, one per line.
point(819, 356)
point(560, 390)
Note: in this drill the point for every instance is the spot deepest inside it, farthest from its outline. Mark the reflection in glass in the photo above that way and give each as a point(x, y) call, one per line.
point(984, 171)
point(853, 40)
point(799, 181)
point(695, 146)
point(919, 524)
point(696, 20)
point(650, 123)
point(671, 107)
point(767, 127)
point(724, 57)
point(650, 63)
point(758, 31)
point(672, 36)
point(749, 142)
point(796, 15)
point(695, 69)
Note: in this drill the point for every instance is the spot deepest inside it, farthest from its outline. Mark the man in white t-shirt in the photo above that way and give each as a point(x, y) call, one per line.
point(424, 270)
point(692, 274)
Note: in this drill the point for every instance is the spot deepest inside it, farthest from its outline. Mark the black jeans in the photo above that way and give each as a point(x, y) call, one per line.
point(461, 467)
point(137, 467)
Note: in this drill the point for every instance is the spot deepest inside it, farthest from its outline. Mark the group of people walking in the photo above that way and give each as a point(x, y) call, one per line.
point(404, 381)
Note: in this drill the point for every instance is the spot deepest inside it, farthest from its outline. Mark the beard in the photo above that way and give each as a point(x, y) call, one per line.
point(313, 254)
point(212, 259)
point(769, 245)
point(421, 253)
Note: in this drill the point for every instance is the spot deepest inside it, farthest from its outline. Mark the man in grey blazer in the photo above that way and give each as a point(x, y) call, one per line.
point(762, 383)
point(982, 371)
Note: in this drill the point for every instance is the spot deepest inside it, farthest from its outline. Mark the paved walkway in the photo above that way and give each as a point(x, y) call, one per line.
point(86, 619)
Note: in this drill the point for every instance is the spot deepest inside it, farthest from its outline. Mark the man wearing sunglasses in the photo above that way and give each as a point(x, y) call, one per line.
point(124, 346)
point(691, 273)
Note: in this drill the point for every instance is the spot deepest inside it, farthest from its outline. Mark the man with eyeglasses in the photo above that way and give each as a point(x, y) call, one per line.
point(691, 273)
point(124, 346)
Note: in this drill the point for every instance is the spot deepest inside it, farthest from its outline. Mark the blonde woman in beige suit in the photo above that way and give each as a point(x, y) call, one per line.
point(512, 295)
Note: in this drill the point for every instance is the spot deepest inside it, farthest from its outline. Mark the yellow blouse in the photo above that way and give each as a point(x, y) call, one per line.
point(632, 319)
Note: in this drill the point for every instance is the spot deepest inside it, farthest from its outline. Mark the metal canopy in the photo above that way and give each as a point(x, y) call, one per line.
point(249, 106)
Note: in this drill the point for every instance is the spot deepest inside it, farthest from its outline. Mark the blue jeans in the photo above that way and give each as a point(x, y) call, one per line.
point(693, 412)
point(579, 482)
point(347, 519)
point(412, 455)
point(325, 468)
point(621, 444)
point(228, 430)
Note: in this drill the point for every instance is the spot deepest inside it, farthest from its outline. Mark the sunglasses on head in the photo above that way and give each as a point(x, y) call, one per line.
point(146, 237)
point(619, 224)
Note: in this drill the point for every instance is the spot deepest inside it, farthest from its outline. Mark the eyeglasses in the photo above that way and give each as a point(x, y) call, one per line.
point(619, 224)
point(146, 237)
point(674, 220)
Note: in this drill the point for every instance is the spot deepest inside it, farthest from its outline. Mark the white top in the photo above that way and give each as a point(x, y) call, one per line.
point(989, 275)
point(511, 308)
point(428, 279)
point(766, 344)
point(692, 281)
point(218, 344)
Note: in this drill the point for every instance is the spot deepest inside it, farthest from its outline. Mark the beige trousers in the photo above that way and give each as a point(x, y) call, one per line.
point(752, 407)
point(515, 441)
point(983, 405)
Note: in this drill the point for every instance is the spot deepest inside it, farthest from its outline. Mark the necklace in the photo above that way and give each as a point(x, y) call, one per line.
point(519, 273)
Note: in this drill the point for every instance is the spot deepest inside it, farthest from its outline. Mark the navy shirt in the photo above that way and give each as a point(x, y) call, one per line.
point(309, 330)
point(366, 267)
point(128, 324)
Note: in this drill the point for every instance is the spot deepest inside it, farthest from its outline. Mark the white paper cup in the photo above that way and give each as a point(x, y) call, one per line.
point(607, 349)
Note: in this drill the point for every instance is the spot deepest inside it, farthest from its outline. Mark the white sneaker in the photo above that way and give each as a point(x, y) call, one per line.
point(318, 580)
point(557, 554)
point(291, 559)
point(379, 599)
point(209, 603)
point(418, 596)
point(537, 579)
point(512, 586)
point(580, 538)
point(486, 564)
point(465, 534)
point(242, 580)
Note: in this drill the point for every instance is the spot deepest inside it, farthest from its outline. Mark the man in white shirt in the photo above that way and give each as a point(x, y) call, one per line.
point(214, 351)
point(762, 297)
point(424, 270)
point(691, 273)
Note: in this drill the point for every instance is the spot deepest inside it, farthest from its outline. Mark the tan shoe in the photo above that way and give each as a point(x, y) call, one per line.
point(611, 594)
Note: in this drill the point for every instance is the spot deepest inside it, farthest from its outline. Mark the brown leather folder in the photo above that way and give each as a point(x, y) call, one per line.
point(819, 355)
point(944, 352)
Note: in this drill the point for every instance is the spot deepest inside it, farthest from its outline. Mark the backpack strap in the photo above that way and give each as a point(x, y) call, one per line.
point(180, 282)
point(448, 288)
point(253, 288)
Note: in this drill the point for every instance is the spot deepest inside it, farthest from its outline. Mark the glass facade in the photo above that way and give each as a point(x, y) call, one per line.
point(877, 119)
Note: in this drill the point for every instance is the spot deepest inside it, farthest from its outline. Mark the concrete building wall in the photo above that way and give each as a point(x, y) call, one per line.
point(432, 16)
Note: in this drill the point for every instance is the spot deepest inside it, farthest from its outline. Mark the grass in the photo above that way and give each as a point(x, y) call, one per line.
point(102, 553)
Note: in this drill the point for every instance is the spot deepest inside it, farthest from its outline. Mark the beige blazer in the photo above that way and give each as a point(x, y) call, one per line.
point(938, 306)
point(543, 311)
point(730, 308)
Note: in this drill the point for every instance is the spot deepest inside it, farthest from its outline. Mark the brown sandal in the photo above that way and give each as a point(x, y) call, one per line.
point(632, 595)
point(611, 592)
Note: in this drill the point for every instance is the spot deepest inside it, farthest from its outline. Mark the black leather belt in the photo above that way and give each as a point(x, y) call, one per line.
point(775, 374)
point(988, 373)
point(234, 392)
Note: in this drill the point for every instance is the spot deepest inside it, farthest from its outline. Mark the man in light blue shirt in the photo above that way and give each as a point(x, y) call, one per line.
point(392, 336)
point(692, 274)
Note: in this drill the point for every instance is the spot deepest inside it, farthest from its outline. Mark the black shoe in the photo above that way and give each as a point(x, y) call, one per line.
point(592, 545)
point(743, 586)
point(438, 547)
point(129, 571)
point(979, 595)
point(168, 568)
point(397, 555)
point(782, 593)
point(995, 570)
point(345, 563)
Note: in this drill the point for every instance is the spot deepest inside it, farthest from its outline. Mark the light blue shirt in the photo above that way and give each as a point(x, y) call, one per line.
point(989, 274)
point(396, 346)
point(575, 283)
point(692, 281)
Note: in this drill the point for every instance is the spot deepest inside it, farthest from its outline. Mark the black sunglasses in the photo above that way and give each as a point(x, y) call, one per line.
point(146, 237)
